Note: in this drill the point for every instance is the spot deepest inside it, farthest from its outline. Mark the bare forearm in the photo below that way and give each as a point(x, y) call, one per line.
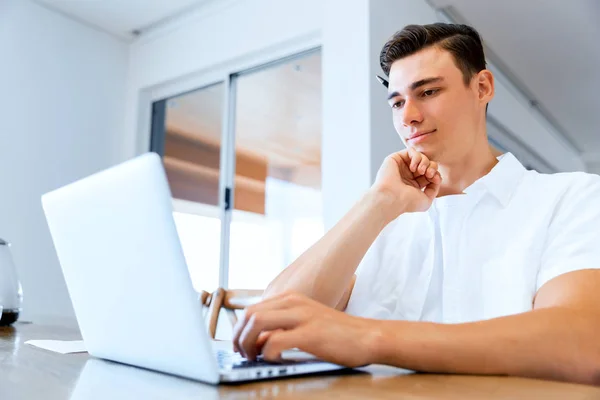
point(551, 343)
point(325, 270)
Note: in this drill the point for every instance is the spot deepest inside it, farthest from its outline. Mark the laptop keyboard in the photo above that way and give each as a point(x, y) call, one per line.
point(231, 360)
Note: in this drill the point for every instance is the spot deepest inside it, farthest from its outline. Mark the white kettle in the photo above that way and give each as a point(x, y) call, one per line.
point(11, 294)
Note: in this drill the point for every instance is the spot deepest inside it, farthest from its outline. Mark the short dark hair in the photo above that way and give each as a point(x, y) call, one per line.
point(462, 41)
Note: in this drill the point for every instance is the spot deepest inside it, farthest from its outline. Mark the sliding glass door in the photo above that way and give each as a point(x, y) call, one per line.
point(243, 159)
point(277, 210)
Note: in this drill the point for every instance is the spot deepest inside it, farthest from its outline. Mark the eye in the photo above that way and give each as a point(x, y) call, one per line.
point(398, 104)
point(429, 92)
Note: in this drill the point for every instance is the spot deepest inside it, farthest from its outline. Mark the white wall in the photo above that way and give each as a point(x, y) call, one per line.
point(346, 142)
point(61, 112)
point(592, 161)
point(594, 167)
point(526, 124)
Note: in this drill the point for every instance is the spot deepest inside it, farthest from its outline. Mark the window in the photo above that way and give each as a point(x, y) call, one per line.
point(276, 211)
point(278, 126)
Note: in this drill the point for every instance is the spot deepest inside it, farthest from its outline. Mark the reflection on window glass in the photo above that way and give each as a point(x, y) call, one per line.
point(277, 204)
point(193, 126)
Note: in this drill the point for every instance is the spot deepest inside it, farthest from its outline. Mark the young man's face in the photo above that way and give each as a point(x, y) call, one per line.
point(433, 110)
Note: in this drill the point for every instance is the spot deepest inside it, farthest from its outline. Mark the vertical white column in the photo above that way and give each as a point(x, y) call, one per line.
point(346, 121)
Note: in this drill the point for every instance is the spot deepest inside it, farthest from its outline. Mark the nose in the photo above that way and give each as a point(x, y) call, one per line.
point(411, 115)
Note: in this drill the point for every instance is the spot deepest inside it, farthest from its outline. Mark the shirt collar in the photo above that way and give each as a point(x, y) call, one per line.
point(502, 181)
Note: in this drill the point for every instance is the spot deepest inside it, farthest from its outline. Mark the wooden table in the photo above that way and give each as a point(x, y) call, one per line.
point(27, 373)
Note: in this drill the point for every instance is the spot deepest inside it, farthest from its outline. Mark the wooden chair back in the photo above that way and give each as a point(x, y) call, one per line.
point(229, 300)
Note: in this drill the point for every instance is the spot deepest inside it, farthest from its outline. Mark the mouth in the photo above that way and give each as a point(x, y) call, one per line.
point(416, 137)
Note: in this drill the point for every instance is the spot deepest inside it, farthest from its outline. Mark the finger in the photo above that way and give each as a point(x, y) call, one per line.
point(433, 168)
point(415, 159)
point(267, 321)
point(263, 337)
point(278, 302)
point(423, 165)
point(430, 173)
point(432, 190)
point(422, 181)
point(403, 160)
point(284, 340)
point(239, 327)
point(403, 155)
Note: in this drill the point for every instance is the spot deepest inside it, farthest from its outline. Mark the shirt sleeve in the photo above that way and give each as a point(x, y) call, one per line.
point(573, 241)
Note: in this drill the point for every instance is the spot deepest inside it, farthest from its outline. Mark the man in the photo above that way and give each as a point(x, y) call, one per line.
point(468, 263)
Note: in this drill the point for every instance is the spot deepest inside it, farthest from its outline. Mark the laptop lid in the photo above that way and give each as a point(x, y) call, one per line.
point(125, 270)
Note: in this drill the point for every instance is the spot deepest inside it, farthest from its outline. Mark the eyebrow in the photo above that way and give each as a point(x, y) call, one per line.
point(417, 84)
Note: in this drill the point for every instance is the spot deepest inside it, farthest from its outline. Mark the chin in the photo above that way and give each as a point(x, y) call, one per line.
point(428, 149)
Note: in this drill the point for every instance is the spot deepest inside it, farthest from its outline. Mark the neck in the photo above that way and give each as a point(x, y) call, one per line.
point(458, 175)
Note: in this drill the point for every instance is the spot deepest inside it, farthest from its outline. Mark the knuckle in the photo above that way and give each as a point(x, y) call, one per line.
point(272, 350)
point(248, 315)
point(293, 296)
point(256, 319)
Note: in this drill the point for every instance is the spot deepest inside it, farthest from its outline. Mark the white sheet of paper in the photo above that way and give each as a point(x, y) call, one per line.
point(59, 346)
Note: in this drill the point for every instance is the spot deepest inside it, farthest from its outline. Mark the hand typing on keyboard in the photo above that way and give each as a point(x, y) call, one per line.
point(292, 320)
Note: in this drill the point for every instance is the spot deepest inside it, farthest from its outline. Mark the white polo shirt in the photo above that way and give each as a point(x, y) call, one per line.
point(485, 253)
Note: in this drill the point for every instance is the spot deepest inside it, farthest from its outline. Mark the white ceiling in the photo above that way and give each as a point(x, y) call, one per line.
point(122, 17)
point(551, 46)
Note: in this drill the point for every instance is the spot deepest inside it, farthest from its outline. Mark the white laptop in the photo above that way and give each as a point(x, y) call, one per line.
point(128, 280)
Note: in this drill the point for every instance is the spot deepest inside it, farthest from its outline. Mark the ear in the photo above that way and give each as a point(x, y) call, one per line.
point(485, 86)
